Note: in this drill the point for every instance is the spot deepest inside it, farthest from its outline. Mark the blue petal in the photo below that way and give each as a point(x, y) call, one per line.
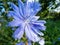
point(29, 42)
point(31, 8)
point(34, 7)
point(18, 34)
point(21, 43)
point(21, 7)
point(39, 27)
point(37, 31)
point(41, 21)
point(29, 1)
point(30, 34)
point(13, 14)
point(27, 11)
point(15, 8)
point(15, 23)
point(39, 24)
point(33, 18)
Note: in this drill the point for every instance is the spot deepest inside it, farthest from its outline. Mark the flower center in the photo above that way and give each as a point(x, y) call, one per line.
point(26, 21)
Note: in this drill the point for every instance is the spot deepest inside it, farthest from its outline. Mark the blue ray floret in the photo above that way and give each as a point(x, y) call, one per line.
point(24, 17)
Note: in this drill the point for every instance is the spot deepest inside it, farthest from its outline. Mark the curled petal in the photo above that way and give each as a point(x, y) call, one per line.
point(37, 31)
point(39, 27)
point(39, 24)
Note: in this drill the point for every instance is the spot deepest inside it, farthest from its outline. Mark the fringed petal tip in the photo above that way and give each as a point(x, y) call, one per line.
point(42, 42)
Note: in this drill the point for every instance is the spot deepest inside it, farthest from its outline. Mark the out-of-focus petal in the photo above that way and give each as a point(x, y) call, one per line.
point(21, 43)
point(18, 34)
point(30, 34)
point(29, 42)
point(42, 42)
point(15, 23)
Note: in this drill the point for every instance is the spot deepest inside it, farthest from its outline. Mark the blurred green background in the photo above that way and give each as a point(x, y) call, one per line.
point(50, 12)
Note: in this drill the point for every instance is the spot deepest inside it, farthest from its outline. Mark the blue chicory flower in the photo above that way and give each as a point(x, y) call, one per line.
point(24, 17)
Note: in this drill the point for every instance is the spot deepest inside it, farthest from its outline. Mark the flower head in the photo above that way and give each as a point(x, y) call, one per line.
point(24, 17)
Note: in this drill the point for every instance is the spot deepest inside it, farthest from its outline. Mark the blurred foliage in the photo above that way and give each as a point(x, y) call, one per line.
point(52, 32)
